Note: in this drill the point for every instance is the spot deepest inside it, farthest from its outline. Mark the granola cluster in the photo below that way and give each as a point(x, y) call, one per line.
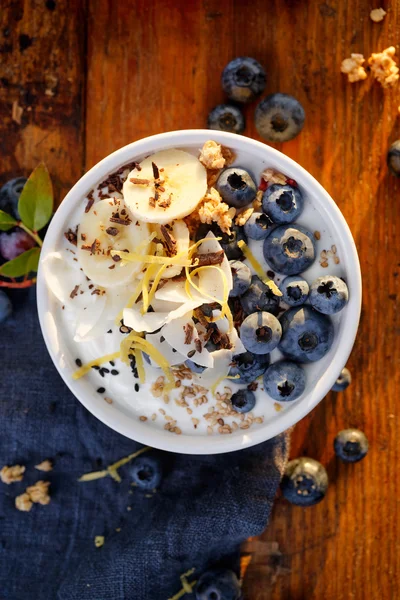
point(353, 68)
point(211, 155)
point(213, 209)
point(384, 68)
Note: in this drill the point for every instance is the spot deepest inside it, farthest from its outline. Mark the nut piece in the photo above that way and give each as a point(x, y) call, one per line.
point(211, 155)
point(384, 68)
point(45, 465)
point(23, 502)
point(353, 68)
point(39, 492)
point(11, 474)
point(377, 15)
point(214, 209)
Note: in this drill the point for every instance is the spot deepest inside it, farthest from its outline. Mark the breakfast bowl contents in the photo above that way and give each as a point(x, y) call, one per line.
point(198, 294)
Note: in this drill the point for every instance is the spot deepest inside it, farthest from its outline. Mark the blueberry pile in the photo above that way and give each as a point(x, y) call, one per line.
point(297, 322)
point(278, 117)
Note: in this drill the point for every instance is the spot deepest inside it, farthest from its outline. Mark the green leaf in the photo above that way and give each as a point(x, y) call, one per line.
point(6, 221)
point(35, 203)
point(22, 265)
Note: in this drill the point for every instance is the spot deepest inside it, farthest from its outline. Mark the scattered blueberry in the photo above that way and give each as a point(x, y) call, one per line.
point(243, 401)
point(243, 79)
point(9, 196)
point(393, 158)
point(249, 366)
point(5, 306)
point(343, 381)
point(282, 203)
point(241, 276)
point(284, 381)
point(226, 117)
point(305, 482)
point(15, 243)
point(194, 367)
point(258, 226)
point(218, 584)
point(306, 334)
point(328, 294)
point(228, 242)
point(289, 249)
point(237, 187)
point(260, 332)
point(295, 290)
point(259, 296)
point(146, 472)
point(279, 118)
point(351, 445)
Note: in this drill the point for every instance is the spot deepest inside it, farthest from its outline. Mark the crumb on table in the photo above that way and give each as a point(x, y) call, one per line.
point(23, 502)
point(12, 474)
point(39, 492)
point(383, 68)
point(45, 465)
point(377, 15)
point(352, 67)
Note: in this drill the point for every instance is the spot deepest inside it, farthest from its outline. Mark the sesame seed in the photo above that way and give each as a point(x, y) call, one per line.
point(78, 362)
point(142, 418)
point(136, 387)
point(114, 372)
point(101, 390)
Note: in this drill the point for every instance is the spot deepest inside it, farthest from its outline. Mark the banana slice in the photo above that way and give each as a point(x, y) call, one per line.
point(171, 189)
point(109, 226)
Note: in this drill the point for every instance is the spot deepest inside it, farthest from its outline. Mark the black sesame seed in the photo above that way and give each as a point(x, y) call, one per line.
point(112, 363)
point(78, 362)
point(114, 372)
point(96, 367)
point(101, 390)
point(105, 370)
point(162, 339)
point(173, 350)
point(136, 387)
point(109, 331)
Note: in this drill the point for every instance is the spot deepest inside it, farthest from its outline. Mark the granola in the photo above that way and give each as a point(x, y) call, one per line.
point(213, 209)
point(211, 155)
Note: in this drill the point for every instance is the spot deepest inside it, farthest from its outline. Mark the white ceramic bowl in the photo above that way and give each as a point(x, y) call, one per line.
point(325, 216)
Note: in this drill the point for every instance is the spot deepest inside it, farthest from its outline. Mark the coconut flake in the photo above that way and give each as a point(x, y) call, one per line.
point(222, 360)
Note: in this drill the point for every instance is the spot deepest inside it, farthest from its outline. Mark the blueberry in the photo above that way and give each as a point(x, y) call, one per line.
point(9, 196)
point(15, 243)
point(282, 203)
point(5, 306)
point(236, 187)
point(225, 117)
point(241, 276)
point(279, 118)
point(328, 294)
point(228, 241)
point(393, 158)
point(243, 401)
point(260, 332)
point(258, 226)
point(351, 445)
point(249, 366)
point(343, 381)
point(218, 584)
point(295, 290)
point(305, 482)
point(259, 297)
point(306, 334)
point(284, 381)
point(146, 472)
point(243, 79)
point(289, 249)
point(194, 367)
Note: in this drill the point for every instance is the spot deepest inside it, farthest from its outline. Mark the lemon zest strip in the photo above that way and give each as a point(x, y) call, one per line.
point(258, 268)
point(94, 363)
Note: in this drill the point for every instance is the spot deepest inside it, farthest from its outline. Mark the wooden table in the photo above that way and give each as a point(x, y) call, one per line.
point(93, 75)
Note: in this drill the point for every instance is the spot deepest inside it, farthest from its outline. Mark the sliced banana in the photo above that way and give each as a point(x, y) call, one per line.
point(170, 190)
point(109, 226)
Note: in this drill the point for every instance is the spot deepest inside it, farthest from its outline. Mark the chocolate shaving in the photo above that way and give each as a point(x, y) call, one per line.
point(95, 246)
point(112, 231)
point(120, 221)
point(191, 353)
point(152, 202)
point(116, 258)
point(83, 236)
point(198, 313)
point(71, 236)
point(252, 386)
point(96, 292)
point(170, 242)
point(74, 292)
point(86, 247)
point(213, 258)
point(188, 329)
point(112, 267)
point(156, 172)
point(138, 181)
point(198, 345)
point(180, 277)
point(90, 203)
point(165, 203)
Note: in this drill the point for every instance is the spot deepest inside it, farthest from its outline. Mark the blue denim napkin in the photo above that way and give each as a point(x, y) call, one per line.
point(204, 508)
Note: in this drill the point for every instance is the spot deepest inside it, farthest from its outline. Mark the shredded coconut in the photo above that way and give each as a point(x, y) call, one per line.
point(353, 68)
point(384, 68)
point(214, 209)
point(211, 155)
point(377, 15)
point(11, 474)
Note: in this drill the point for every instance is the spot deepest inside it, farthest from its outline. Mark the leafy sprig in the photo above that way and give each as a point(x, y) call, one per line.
point(35, 206)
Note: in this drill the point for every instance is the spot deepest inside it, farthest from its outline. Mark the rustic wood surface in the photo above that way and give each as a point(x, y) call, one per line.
point(92, 76)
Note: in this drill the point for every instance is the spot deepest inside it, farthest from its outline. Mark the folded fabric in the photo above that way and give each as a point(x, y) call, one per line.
point(204, 508)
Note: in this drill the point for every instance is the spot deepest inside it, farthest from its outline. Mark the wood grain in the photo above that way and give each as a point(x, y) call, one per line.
point(42, 71)
point(155, 66)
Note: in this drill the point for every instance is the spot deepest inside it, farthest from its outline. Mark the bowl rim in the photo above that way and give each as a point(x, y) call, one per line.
point(188, 444)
